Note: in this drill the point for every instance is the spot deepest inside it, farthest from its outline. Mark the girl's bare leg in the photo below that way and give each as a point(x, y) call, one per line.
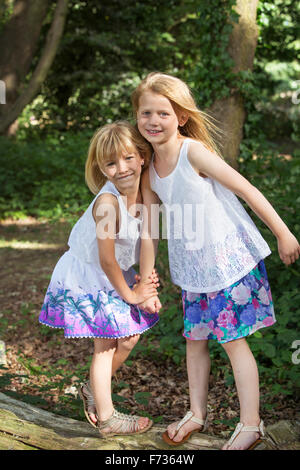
point(118, 351)
point(124, 348)
point(100, 375)
point(198, 368)
point(247, 383)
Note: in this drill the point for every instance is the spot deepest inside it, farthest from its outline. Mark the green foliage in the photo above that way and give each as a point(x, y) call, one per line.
point(279, 30)
point(277, 178)
point(212, 77)
point(268, 89)
point(106, 48)
point(6, 9)
point(44, 178)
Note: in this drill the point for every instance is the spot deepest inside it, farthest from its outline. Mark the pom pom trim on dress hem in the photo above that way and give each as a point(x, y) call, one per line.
point(97, 336)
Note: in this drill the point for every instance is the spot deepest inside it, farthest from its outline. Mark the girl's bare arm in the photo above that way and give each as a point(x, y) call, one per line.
point(205, 162)
point(150, 227)
point(106, 214)
point(149, 244)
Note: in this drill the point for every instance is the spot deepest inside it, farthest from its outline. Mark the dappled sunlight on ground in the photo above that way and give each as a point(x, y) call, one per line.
point(44, 366)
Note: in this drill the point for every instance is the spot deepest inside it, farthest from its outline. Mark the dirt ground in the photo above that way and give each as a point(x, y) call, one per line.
point(44, 366)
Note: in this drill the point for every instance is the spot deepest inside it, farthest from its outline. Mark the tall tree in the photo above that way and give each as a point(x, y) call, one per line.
point(19, 43)
point(230, 111)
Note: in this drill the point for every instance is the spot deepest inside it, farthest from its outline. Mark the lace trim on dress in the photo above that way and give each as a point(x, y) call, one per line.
point(224, 262)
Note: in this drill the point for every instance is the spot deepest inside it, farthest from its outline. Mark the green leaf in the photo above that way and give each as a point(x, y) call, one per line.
point(142, 397)
point(118, 398)
point(257, 334)
point(269, 349)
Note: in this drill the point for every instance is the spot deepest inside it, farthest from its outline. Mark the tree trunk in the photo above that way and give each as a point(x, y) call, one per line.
point(26, 427)
point(230, 112)
point(53, 37)
point(18, 44)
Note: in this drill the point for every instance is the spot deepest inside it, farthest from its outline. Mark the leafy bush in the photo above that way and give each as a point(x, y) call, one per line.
point(276, 176)
point(43, 177)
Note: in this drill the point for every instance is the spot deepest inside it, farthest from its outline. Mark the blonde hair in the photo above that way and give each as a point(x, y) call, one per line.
point(199, 125)
point(110, 140)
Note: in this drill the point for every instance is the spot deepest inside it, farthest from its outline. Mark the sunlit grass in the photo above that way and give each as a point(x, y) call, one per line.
point(27, 245)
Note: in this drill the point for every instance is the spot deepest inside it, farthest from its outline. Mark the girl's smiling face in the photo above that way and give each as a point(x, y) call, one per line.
point(156, 118)
point(124, 170)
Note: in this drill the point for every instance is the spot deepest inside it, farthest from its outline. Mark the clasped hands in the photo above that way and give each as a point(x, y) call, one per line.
point(148, 297)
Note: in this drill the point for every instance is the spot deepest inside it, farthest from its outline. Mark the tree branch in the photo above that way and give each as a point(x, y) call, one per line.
point(52, 41)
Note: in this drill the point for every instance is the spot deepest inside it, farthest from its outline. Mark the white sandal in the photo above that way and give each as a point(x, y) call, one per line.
point(188, 417)
point(242, 428)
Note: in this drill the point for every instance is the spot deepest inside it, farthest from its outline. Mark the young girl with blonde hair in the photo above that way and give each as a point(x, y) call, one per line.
point(92, 292)
point(215, 254)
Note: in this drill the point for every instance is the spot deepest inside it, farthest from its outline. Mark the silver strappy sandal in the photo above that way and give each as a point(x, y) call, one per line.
point(122, 424)
point(86, 394)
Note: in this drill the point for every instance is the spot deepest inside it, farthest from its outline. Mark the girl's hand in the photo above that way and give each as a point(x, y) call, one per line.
point(288, 248)
point(143, 291)
point(154, 277)
point(152, 305)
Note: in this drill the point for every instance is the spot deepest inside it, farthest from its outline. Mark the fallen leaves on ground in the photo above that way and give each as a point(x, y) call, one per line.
point(45, 365)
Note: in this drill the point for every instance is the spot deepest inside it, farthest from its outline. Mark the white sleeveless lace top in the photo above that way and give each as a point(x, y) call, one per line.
point(83, 242)
point(212, 241)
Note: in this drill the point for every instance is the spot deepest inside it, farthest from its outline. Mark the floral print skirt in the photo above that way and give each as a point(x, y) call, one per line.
point(78, 302)
point(231, 313)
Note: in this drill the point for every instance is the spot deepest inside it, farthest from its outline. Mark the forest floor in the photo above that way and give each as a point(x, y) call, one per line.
point(44, 368)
